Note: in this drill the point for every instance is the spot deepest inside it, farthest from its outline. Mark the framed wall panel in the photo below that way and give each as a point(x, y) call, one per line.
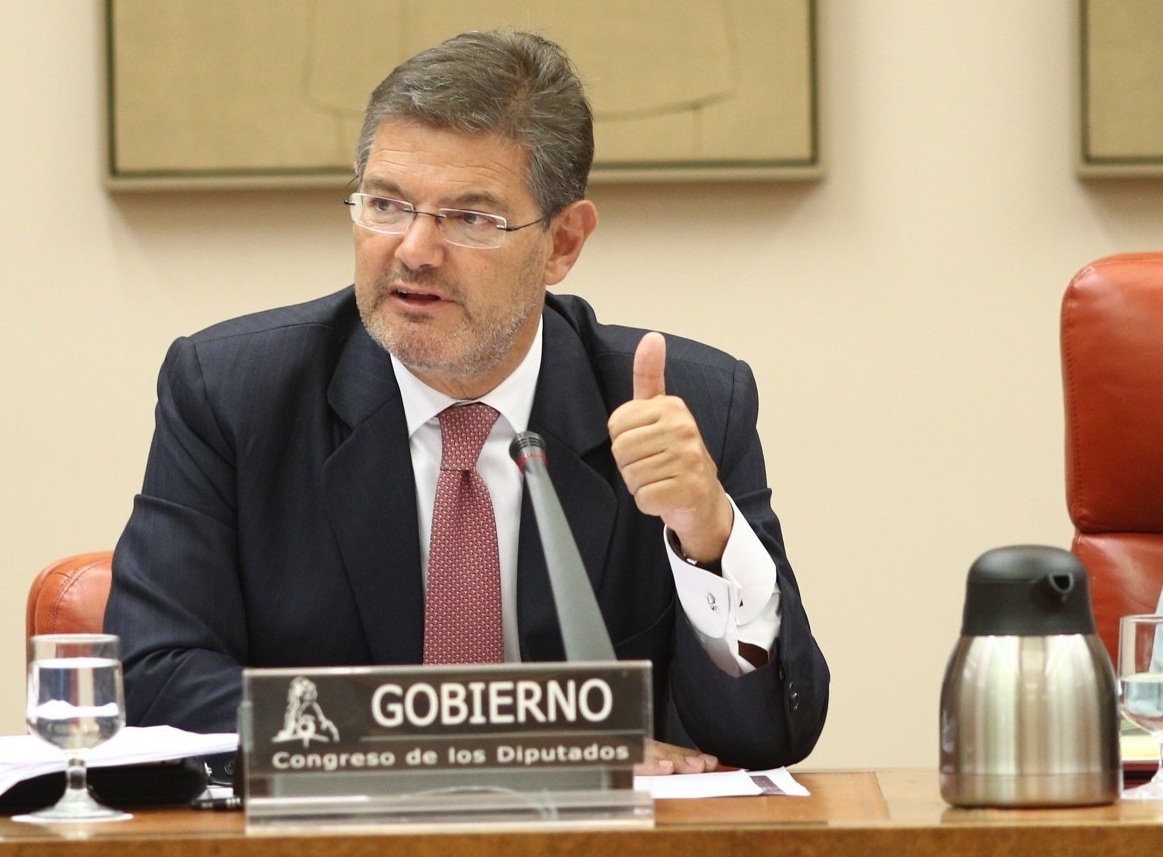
point(1120, 88)
point(221, 93)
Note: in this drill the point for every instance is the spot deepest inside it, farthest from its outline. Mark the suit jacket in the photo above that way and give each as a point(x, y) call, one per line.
point(277, 525)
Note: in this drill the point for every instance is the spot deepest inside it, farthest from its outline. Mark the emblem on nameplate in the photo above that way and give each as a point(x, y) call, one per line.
point(304, 720)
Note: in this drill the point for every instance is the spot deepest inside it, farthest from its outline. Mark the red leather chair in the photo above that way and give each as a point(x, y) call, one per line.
point(69, 595)
point(1112, 371)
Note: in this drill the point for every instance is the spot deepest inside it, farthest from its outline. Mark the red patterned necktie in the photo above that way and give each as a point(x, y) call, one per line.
point(462, 603)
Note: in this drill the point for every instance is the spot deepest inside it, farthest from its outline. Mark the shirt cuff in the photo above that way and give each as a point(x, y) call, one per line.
point(739, 605)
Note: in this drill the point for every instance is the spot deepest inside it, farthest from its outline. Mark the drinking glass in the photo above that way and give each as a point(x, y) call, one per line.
point(1140, 671)
point(75, 701)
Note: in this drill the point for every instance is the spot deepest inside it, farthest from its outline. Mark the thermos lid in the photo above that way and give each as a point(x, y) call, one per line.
point(1027, 590)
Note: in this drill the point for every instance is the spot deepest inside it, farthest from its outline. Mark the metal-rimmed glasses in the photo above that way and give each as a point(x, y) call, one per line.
point(474, 229)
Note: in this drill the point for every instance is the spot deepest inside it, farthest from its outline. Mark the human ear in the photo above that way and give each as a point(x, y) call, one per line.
point(569, 232)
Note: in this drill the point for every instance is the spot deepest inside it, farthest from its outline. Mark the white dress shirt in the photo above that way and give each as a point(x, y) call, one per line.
point(740, 606)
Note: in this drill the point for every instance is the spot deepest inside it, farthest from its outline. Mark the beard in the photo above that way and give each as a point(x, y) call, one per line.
point(480, 342)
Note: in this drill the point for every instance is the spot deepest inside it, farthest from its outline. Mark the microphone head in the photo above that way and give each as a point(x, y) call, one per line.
point(525, 445)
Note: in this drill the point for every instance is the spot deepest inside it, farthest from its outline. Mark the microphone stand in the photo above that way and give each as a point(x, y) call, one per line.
point(582, 628)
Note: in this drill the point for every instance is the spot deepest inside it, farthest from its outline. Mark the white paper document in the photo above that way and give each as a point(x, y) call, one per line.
point(25, 756)
point(776, 781)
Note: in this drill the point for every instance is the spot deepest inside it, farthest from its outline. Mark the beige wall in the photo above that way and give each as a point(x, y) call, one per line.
point(901, 316)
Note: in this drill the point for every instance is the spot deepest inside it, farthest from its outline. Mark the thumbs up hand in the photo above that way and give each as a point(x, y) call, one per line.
point(666, 467)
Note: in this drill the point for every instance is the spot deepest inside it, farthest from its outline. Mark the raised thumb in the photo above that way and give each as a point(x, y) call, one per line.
point(650, 366)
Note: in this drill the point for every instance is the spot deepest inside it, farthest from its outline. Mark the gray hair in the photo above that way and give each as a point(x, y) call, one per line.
point(518, 85)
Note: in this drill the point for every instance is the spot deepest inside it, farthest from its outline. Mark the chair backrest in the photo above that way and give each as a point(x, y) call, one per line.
point(69, 595)
point(1112, 371)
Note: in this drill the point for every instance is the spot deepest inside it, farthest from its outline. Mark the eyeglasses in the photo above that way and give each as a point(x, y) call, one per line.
point(473, 229)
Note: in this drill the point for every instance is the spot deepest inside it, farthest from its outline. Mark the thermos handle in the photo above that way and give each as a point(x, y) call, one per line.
point(1060, 585)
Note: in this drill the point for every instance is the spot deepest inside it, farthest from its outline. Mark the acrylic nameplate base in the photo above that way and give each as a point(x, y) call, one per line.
point(519, 744)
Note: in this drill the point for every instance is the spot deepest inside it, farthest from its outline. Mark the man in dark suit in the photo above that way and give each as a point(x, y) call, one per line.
point(288, 499)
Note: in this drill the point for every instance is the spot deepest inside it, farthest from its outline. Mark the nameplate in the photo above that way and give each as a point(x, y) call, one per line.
point(397, 742)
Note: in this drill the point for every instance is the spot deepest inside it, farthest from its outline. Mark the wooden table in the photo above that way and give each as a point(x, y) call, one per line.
point(890, 812)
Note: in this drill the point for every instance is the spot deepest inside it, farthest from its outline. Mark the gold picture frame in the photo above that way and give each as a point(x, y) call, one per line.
point(1120, 88)
point(270, 93)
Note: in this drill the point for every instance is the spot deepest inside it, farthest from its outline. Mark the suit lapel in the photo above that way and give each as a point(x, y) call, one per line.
point(569, 413)
point(370, 493)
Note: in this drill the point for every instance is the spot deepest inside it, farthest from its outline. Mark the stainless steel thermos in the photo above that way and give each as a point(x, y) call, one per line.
point(1029, 706)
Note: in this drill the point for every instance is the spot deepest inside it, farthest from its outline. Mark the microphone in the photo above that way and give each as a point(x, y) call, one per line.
point(582, 628)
